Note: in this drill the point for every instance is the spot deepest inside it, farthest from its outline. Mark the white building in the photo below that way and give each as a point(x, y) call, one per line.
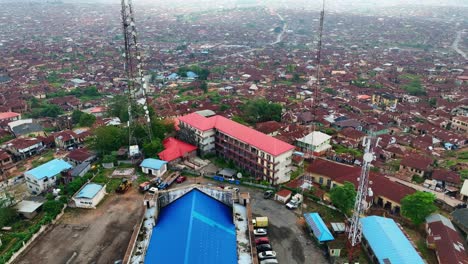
point(89, 195)
point(316, 142)
point(44, 176)
point(154, 167)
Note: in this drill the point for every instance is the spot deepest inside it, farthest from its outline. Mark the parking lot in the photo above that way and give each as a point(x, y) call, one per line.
point(89, 235)
point(288, 239)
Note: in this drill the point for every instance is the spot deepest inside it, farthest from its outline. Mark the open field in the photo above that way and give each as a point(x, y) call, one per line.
point(89, 236)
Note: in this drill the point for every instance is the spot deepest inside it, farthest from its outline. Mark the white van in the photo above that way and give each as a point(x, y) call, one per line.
point(269, 261)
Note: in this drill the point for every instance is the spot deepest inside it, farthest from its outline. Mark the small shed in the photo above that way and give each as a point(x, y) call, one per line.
point(89, 195)
point(283, 196)
point(154, 167)
point(28, 209)
point(318, 227)
point(81, 169)
point(227, 173)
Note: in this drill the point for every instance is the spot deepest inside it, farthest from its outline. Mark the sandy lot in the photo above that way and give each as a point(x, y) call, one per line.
point(89, 236)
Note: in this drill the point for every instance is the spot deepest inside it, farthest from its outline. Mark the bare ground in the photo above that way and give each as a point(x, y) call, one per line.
point(89, 236)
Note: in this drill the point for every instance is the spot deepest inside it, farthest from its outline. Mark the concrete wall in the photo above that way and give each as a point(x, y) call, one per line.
point(167, 197)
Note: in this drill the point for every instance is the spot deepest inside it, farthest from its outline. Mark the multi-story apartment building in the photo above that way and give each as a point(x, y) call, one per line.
point(460, 123)
point(261, 155)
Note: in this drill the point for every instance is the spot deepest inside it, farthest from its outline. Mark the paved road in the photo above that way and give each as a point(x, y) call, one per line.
point(288, 240)
point(440, 196)
point(455, 45)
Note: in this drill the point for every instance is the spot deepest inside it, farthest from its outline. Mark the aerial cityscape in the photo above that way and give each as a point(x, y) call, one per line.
point(233, 131)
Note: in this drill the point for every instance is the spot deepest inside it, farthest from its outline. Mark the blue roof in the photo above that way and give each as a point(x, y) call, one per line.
point(49, 169)
point(191, 74)
point(319, 228)
point(89, 191)
point(388, 241)
point(173, 76)
point(195, 229)
point(154, 164)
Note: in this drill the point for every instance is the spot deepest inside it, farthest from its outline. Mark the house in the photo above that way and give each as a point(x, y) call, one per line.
point(446, 178)
point(416, 165)
point(22, 148)
point(460, 123)
point(270, 128)
point(316, 142)
point(81, 169)
point(9, 116)
point(318, 228)
point(352, 136)
point(283, 196)
point(444, 238)
point(154, 167)
point(175, 150)
point(78, 156)
point(460, 218)
point(386, 99)
point(26, 127)
point(28, 209)
point(44, 176)
point(261, 155)
point(387, 194)
point(6, 162)
point(464, 191)
point(89, 195)
point(385, 242)
point(66, 139)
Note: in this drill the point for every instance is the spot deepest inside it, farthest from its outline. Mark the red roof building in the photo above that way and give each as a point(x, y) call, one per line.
point(263, 156)
point(175, 149)
point(9, 116)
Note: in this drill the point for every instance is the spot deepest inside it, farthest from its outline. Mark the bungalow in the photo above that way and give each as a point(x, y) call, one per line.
point(446, 178)
point(352, 136)
point(78, 156)
point(387, 194)
point(44, 176)
point(444, 238)
point(28, 209)
point(416, 165)
point(154, 167)
point(89, 195)
point(9, 116)
point(66, 139)
point(175, 149)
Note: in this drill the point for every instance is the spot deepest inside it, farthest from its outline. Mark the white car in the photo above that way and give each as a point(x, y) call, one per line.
point(267, 255)
point(260, 232)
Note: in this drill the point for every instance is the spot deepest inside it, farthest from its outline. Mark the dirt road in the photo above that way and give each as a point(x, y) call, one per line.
point(89, 236)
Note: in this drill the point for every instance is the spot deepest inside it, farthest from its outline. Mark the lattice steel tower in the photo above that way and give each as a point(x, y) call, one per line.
point(136, 91)
point(360, 205)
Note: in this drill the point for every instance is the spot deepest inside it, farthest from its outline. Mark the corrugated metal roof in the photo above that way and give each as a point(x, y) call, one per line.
point(89, 191)
point(195, 229)
point(388, 241)
point(49, 169)
point(319, 228)
point(153, 163)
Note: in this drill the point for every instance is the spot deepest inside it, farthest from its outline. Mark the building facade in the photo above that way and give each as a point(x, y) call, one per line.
point(45, 176)
point(89, 195)
point(264, 157)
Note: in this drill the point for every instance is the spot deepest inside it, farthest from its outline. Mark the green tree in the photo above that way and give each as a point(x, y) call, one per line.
point(151, 149)
point(418, 206)
point(108, 138)
point(87, 120)
point(261, 110)
point(343, 197)
point(433, 102)
point(7, 213)
point(118, 107)
point(204, 86)
point(76, 115)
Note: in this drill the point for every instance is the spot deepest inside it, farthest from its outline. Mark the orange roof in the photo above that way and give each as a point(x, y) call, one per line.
point(7, 115)
point(175, 149)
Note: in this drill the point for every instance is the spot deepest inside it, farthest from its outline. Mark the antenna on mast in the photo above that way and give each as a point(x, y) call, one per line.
point(319, 61)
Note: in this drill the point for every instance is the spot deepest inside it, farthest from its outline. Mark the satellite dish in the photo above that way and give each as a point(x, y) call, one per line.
point(368, 157)
point(239, 175)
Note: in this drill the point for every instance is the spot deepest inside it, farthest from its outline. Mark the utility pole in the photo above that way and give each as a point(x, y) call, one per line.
point(136, 86)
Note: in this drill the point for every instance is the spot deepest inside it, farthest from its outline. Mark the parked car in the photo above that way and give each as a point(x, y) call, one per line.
point(260, 232)
point(263, 247)
point(268, 194)
point(269, 261)
point(162, 186)
point(267, 255)
point(181, 179)
point(262, 240)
